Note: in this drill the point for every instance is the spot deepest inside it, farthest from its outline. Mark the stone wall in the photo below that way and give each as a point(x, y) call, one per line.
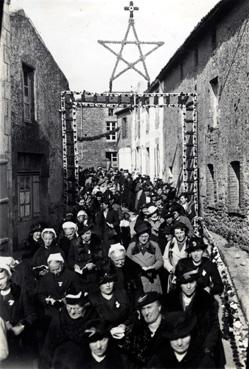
point(216, 66)
point(5, 135)
point(36, 144)
point(92, 122)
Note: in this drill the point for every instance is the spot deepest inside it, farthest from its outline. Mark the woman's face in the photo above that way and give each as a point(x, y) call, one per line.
point(75, 311)
point(107, 288)
point(36, 235)
point(86, 236)
point(55, 267)
point(180, 234)
point(144, 238)
point(48, 239)
point(180, 345)
point(4, 280)
point(189, 288)
point(98, 348)
point(118, 259)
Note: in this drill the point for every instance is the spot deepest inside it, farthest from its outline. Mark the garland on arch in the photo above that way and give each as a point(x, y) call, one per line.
point(97, 137)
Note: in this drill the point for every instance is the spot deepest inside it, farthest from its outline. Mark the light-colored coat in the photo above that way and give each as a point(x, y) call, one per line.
point(148, 259)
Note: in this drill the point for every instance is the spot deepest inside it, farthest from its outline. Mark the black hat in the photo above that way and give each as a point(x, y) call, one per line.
point(186, 273)
point(177, 207)
point(77, 298)
point(105, 276)
point(96, 330)
point(196, 243)
point(178, 324)
point(147, 298)
point(36, 228)
point(180, 225)
point(166, 229)
point(84, 229)
point(141, 228)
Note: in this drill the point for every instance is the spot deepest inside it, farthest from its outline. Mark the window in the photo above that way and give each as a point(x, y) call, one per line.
point(124, 127)
point(110, 112)
point(234, 185)
point(110, 126)
point(28, 93)
point(113, 158)
point(210, 185)
point(214, 96)
point(28, 195)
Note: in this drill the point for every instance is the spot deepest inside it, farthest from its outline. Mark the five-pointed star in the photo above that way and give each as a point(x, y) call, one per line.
point(121, 58)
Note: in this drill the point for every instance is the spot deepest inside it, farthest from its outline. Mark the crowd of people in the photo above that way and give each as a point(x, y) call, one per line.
point(125, 280)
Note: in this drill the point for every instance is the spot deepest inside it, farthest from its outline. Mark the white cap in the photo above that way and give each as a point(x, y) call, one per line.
point(48, 230)
point(5, 267)
point(151, 210)
point(115, 247)
point(55, 257)
point(81, 212)
point(8, 260)
point(72, 225)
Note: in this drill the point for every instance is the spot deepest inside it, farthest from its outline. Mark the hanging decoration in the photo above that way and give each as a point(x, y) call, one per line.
point(97, 137)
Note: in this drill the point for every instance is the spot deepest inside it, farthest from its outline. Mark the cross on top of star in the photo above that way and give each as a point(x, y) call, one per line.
point(131, 8)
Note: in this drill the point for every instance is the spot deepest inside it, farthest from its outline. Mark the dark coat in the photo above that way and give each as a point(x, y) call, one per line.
point(164, 358)
point(56, 286)
point(129, 279)
point(81, 254)
point(204, 306)
point(101, 222)
point(17, 307)
point(65, 244)
point(41, 256)
point(114, 311)
point(208, 271)
point(67, 333)
point(113, 360)
point(139, 345)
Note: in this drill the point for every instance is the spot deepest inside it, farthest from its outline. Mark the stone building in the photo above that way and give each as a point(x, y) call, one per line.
point(36, 184)
point(95, 146)
point(5, 131)
point(214, 63)
point(124, 119)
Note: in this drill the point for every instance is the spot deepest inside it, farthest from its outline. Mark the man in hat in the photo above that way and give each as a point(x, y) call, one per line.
point(189, 297)
point(63, 344)
point(102, 353)
point(147, 254)
point(145, 334)
point(182, 350)
point(209, 277)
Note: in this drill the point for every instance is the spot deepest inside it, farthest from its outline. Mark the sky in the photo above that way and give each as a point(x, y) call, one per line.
point(71, 29)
